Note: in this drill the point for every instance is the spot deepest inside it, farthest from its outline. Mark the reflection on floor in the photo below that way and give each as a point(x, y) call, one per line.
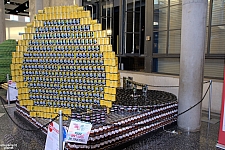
point(205, 139)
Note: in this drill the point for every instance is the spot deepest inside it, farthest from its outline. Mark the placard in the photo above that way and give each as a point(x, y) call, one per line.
point(221, 138)
point(52, 140)
point(13, 91)
point(78, 131)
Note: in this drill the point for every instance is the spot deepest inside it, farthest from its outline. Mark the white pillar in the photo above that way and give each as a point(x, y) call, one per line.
point(2, 26)
point(193, 33)
point(34, 6)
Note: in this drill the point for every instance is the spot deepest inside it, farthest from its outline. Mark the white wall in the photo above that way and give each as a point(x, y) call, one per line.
point(168, 80)
point(13, 33)
point(13, 28)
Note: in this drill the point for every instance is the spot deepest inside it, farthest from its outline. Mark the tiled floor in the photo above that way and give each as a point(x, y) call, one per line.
point(11, 134)
point(205, 139)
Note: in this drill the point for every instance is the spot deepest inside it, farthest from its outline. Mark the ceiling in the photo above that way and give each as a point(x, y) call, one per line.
point(17, 7)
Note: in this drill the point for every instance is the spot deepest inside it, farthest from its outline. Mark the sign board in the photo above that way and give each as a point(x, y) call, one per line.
point(52, 140)
point(221, 139)
point(78, 131)
point(12, 91)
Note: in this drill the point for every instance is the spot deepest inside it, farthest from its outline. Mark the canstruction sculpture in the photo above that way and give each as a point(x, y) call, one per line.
point(64, 61)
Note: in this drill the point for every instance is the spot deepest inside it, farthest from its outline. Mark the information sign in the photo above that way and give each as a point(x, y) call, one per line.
point(221, 139)
point(52, 140)
point(12, 91)
point(78, 131)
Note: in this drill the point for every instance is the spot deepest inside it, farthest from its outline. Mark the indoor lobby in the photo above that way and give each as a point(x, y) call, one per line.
point(142, 74)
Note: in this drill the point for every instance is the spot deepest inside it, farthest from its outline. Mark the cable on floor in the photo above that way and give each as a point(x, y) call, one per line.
point(40, 128)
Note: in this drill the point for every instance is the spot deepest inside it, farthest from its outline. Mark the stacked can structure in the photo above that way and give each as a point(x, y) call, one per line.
point(128, 128)
point(65, 61)
point(125, 122)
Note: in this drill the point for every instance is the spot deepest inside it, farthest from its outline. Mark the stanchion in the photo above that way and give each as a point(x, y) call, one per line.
point(209, 119)
point(210, 99)
point(8, 94)
point(60, 130)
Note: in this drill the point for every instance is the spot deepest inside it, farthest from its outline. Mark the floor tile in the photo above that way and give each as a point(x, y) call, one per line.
point(1, 114)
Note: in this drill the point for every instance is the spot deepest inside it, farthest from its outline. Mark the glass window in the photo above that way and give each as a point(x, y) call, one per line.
point(160, 26)
point(175, 2)
point(106, 23)
point(129, 42)
point(208, 11)
point(174, 42)
point(129, 21)
point(160, 3)
point(213, 65)
point(218, 28)
point(134, 26)
point(136, 43)
point(174, 45)
point(206, 40)
point(108, 15)
point(218, 12)
point(214, 68)
point(175, 17)
point(137, 20)
point(133, 63)
point(169, 65)
point(217, 45)
point(159, 45)
point(115, 29)
point(160, 19)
